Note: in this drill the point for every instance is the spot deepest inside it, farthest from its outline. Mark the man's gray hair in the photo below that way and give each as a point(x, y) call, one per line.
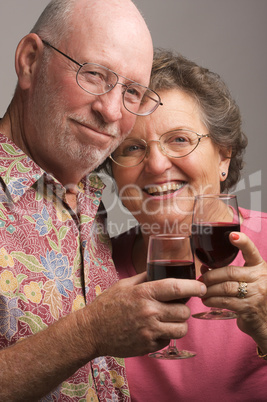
point(54, 23)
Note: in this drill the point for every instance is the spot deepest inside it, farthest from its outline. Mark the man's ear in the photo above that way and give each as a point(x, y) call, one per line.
point(26, 59)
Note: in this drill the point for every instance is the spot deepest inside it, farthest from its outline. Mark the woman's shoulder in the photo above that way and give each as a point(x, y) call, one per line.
point(255, 220)
point(249, 213)
point(254, 225)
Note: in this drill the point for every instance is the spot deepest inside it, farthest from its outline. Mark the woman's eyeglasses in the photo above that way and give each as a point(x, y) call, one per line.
point(175, 144)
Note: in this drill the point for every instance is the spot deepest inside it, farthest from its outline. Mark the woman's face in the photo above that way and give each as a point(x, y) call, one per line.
point(160, 191)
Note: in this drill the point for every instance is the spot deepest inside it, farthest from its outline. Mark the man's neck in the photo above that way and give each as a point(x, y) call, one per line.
point(71, 198)
point(5, 126)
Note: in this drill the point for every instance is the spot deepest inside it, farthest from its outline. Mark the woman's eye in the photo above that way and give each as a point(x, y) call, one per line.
point(177, 140)
point(180, 139)
point(134, 148)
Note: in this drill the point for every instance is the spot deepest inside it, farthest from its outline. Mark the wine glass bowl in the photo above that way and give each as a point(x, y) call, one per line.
point(170, 256)
point(215, 216)
point(213, 248)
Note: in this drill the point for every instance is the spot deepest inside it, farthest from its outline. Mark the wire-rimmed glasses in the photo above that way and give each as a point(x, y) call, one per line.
point(175, 144)
point(99, 80)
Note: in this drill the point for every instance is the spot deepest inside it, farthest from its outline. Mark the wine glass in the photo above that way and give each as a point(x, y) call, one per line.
point(214, 217)
point(170, 256)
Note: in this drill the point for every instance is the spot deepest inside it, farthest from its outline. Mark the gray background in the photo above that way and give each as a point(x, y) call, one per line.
point(226, 36)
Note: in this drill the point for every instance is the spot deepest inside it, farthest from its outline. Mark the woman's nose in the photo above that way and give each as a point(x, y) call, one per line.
point(156, 162)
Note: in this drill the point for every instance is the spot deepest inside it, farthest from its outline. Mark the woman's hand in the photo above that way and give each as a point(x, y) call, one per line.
point(223, 290)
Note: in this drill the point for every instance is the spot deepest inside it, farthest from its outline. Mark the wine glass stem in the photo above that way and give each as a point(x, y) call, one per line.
point(172, 349)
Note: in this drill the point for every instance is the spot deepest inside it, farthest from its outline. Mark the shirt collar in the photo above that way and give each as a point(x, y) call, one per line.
point(19, 172)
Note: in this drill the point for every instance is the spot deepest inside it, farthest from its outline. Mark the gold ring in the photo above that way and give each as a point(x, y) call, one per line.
point(242, 290)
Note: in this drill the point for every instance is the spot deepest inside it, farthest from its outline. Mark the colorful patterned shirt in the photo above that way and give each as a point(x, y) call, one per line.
point(53, 261)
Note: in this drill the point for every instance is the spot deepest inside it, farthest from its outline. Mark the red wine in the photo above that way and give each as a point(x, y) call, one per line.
point(211, 243)
point(171, 269)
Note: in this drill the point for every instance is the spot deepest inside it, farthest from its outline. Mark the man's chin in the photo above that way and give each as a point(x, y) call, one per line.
point(95, 160)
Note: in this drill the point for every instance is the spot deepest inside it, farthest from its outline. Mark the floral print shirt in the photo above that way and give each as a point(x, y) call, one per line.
point(53, 261)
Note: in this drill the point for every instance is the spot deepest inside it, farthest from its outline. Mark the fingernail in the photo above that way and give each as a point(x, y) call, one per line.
point(235, 236)
point(203, 290)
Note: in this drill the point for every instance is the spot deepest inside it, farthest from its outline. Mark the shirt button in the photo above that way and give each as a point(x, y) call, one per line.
point(102, 377)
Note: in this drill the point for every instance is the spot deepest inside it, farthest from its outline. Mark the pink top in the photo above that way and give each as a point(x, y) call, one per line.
point(226, 367)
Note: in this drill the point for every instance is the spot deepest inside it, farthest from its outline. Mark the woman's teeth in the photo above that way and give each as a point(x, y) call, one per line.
point(164, 189)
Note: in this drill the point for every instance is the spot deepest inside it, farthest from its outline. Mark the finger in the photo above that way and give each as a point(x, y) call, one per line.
point(173, 312)
point(134, 280)
point(173, 330)
point(223, 289)
point(249, 250)
point(173, 289)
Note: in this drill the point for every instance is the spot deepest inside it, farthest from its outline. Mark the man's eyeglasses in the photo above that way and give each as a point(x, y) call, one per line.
point(99, 80)
point(175, 144)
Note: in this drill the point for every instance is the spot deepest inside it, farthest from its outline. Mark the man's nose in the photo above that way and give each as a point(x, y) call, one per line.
point(109, 105)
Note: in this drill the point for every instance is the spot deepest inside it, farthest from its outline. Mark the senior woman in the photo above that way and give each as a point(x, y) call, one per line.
point(158, 185)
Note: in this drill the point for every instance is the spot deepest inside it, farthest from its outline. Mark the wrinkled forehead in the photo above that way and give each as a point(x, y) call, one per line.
point(114, 34)
point(179, 110)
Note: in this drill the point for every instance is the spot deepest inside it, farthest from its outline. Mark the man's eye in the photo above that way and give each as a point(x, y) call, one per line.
point(89, 74)
point(132, 94)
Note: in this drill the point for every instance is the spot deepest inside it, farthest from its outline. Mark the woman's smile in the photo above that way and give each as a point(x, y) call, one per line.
point(164, 189)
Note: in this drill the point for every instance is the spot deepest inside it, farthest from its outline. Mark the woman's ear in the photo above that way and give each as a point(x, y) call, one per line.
point(26, 59)
point(225, 159)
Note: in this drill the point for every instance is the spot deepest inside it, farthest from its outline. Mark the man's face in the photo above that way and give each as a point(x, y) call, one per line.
point(67, 128)
point(71, 129)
